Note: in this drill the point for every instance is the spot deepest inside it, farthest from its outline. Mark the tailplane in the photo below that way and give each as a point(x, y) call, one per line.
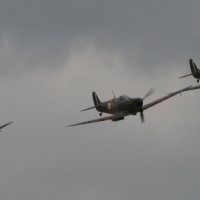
point(97, 103)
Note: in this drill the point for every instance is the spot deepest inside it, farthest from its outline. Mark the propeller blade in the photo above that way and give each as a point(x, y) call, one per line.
point(151, 91)
point(142, 117)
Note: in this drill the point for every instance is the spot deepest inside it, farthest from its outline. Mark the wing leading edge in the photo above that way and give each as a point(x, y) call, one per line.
point(169, 96)
point(4, 125)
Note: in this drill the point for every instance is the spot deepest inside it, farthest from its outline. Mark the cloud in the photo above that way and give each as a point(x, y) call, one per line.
point(53, 56)
point(42, 33)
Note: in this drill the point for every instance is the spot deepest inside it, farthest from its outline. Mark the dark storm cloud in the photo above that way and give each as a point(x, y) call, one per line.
point(90, 45)
point(44, 31)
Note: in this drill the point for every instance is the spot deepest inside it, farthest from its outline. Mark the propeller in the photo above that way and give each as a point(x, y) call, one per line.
point(141, 116)
point(151, 91)
point(139, 102)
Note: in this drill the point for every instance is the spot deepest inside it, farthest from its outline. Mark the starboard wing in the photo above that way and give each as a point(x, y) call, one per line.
point(5, 125)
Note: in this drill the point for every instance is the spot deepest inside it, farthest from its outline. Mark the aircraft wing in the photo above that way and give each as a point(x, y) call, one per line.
point(4, 125)
point(169, 96)
point(112, 117)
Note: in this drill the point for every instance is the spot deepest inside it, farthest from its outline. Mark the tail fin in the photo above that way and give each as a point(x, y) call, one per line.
point(193, 67)
point(96, 101)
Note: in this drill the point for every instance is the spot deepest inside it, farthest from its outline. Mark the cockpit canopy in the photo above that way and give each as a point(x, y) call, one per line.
point(123, 96)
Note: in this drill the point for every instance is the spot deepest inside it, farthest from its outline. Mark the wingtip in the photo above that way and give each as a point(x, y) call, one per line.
point(8, 123)
point(69, 126)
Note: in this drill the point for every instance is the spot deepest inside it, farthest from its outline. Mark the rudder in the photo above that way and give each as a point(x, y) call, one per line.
point(96, 101)
point(193, 67)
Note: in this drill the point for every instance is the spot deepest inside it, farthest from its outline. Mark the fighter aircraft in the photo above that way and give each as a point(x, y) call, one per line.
point(195, 71)
point(4, 125)
point(123, 106)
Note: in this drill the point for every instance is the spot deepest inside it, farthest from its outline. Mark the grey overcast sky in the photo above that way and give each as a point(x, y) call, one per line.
point(53, 55)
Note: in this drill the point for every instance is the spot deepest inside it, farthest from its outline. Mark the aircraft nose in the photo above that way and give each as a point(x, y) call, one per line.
point(139, 102)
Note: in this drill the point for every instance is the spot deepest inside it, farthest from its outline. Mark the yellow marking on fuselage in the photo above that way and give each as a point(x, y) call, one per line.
point(110, 106)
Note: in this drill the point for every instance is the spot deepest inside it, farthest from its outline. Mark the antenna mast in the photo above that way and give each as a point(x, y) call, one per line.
point(113, 94)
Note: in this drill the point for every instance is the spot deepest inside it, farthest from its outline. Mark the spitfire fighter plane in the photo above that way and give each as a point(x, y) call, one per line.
point(195, 71)
point(123, 106)
point(4, 125)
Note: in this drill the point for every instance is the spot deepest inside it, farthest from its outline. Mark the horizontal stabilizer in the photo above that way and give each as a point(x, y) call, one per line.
point(189, 75)
point(92, 107)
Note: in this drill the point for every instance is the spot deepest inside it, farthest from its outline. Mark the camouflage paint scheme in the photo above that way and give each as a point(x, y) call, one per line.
point(123, 106)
